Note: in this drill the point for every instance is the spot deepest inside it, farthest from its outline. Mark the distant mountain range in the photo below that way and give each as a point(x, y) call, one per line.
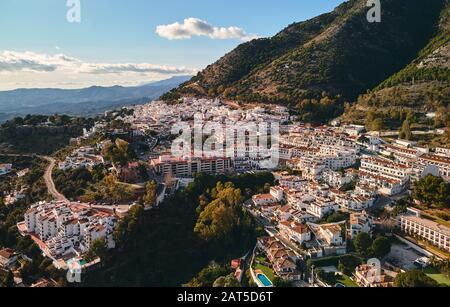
point(87, 101)
point(338, 53)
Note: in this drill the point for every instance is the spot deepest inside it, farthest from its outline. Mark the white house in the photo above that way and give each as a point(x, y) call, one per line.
point(8, 258)
point(295, 232)
point(360, 223)
point(264, 199)
point(5, 169)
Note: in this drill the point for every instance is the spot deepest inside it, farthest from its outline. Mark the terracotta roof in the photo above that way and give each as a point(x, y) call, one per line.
point(7, 253)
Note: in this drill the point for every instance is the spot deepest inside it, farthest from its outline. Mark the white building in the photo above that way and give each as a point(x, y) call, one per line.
point(443, 151)
point(179, 167)
point(442, 162)
point(322, 206)
point(336, 179)
point(291, 182)
point(67, 228)
point(295, 232)
point(430, 231)
point(5, 169)
point(389, 177)
point(277, 192)
point(360, 223)
point(264, 199)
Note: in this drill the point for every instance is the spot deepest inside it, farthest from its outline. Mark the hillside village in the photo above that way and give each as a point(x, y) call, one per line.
point(319, 157)
point(335, 187)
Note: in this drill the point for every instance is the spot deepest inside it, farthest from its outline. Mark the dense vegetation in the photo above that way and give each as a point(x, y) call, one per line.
point(159, 247)
point(421, 86)
point(75, 182)
point(433, 192)
point(414, 279)
point(40, 134)
point(119, 152)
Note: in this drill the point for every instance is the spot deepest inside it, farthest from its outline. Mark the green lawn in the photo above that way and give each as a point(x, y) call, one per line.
point(266, 270)
point(346, 281)
point(332, 280)
point(440, 278)
point(262, 259)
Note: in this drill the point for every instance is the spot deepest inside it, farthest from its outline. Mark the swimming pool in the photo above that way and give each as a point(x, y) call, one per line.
point(264, 280)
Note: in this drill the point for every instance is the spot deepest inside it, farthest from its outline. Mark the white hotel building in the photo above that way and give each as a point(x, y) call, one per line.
point(432, 232)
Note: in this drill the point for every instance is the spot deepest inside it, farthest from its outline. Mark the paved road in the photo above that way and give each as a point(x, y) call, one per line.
point(49, 179)
point(47, 176)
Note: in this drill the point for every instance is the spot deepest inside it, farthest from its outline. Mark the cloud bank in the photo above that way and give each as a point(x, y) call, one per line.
point(196, 27)
point(11, 61)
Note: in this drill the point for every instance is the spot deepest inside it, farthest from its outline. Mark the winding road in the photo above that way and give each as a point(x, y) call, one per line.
point(49, 179)
point(47, 176)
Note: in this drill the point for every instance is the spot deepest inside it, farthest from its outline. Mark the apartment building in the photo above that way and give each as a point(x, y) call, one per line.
point(292, 182)
point(64, 228)
point(264, 199)
point(402, 154)
point(443, 151)
point(389, 177)
point(442, 162)
point(430, 231)
point(321, 206)
point(187, 167)
point(336, 179)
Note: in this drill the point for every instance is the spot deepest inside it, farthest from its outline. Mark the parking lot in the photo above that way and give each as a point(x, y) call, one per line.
point(403, 256)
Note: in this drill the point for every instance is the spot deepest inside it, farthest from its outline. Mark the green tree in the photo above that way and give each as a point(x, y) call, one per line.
point(208, 276)
point(150, 194)
point(405, 132)
point(348, 264)
point(282, 283)
point(432, 191)
point(381, 247)
point(363, 244)
point(216, 221)
point(98, 249)
point(414, 279)
point(229, 281)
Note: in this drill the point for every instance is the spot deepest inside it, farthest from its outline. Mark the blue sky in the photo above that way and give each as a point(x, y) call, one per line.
point(119, 31)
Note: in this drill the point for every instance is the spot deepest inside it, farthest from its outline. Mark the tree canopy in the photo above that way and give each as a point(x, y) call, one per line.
point(432, 191)
point(414, 279)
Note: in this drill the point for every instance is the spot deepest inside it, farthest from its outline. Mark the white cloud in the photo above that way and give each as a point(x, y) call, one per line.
point(132, 68)
point(197, 27)
point(38, 70)
point(11, 61)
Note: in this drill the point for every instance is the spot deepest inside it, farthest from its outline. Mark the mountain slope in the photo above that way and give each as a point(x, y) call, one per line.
point(339, 53)
point(87, 101)
point(421, 86)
